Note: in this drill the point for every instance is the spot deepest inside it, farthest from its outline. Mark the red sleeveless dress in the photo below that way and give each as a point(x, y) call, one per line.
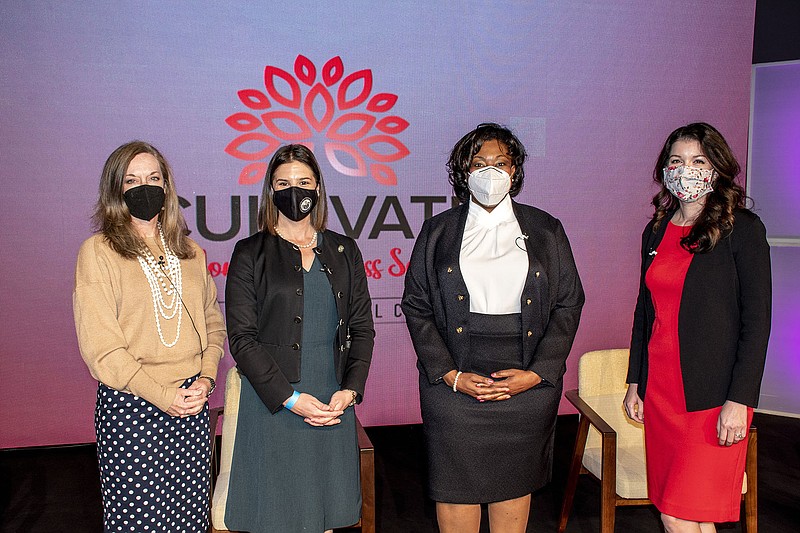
point(689, 475)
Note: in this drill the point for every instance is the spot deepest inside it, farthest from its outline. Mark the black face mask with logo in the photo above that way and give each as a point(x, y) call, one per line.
point(295, 202)
point(144, 201)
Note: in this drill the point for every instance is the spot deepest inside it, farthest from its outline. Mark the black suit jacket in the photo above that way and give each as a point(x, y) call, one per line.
point(264, 312)
point(436, 301)
point(723, 321)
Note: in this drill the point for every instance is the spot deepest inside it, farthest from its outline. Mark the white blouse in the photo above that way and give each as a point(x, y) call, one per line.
point(493, 259)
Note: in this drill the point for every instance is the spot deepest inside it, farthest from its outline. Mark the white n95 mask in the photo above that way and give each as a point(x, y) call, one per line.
point(489, 185)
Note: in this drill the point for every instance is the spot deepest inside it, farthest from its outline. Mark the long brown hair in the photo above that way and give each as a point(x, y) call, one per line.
point(113, 219)
point(716, 218)
point(267, 212)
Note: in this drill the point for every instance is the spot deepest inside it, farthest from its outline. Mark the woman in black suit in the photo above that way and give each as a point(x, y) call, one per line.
point(492, 302)
point(700, 331)
point(299, 313)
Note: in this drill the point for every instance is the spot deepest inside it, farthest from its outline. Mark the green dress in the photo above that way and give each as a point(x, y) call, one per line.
point(286, 475)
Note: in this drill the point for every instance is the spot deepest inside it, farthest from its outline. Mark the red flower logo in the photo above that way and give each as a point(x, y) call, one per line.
point(341, 108)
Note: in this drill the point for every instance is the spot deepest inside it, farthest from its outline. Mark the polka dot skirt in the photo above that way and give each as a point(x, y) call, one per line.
point(154, 468)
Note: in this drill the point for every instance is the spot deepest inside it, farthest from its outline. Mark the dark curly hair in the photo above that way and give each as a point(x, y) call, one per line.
point(470, 144)
point(716, 218)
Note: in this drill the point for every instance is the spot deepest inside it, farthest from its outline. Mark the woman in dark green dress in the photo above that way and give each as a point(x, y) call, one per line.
point(299, 313)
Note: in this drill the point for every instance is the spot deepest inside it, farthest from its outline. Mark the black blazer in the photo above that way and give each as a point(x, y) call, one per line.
point(724, 317)
point(436, 301)
point(264, 312)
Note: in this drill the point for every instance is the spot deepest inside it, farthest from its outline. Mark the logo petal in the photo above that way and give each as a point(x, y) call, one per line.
point(270, 117)
point(332, 71)
point(392, 125)
point(243, 122)
point(331, 150)
point(400, 150)
point(382, 102)
point(235, 147)
point(253, 173)
point(336, 135)
point(383, 174)
point(270, 73)
point(308, 107)
point(305, 70)
point(365, 76)
point(254, 99)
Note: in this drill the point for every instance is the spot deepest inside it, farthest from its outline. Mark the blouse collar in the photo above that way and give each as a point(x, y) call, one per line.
point(502, 212)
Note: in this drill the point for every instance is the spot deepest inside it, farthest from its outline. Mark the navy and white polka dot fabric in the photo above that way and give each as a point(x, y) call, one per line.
point(154, 468)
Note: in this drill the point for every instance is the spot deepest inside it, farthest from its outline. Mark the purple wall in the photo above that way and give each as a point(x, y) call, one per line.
point(774, 185)
point(592, 88)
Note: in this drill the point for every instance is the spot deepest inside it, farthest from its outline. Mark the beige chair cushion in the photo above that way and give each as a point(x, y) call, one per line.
point(601, 384)
point(631, 469)
point(233, 387)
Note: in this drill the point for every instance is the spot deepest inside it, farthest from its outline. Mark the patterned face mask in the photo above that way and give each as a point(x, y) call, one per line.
point(689, 184)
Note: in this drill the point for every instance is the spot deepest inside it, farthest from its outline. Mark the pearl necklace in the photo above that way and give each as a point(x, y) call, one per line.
point(309, 244)
point(161, 286)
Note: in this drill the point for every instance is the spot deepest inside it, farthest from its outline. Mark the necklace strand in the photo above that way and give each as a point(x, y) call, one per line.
point(161, 287)
point(307, 245)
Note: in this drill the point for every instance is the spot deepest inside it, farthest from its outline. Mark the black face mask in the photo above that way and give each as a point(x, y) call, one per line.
point(294, 202)
point(144, 201)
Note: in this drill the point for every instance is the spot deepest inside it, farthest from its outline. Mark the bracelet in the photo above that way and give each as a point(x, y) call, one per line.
point(455, 381)
point(211, 381)
point(292, 400)
point(353, 401)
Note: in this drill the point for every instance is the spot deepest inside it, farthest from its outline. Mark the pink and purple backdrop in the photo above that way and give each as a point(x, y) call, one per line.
point(774, 185)
point(382, 91)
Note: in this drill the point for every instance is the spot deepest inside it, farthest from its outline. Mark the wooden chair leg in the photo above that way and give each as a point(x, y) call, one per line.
point(751, 496)
point(367, 454)
point(608, 483)
point(574, 472)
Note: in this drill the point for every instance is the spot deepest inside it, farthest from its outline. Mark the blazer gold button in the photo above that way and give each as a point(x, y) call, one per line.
point(459, 329)
point(298, 319)
point(530, 333)
point(460, 297)
point(295, 346)
point(528, 301)
point(449, 269)
point(297, 268)
point(341, 348)
point(341, 322)
point(340, 248)
point(537, 273)
point(339, 294)
point(299, 292)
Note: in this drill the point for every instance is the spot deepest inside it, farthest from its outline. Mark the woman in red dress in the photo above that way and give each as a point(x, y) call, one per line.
point(700, 332)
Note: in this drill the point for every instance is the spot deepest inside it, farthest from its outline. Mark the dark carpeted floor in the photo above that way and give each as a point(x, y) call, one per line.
point(57, 489)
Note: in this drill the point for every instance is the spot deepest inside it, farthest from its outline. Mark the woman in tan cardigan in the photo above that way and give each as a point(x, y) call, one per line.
point(151, 332)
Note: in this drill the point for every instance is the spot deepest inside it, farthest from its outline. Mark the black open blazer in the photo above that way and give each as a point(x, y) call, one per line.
point(264, 312)
point(724, 316)
point(436, 301)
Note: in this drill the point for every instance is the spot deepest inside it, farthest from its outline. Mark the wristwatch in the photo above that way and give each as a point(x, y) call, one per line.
point(213, 383)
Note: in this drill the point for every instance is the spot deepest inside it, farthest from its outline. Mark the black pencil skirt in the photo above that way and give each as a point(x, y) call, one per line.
point(491, 451)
